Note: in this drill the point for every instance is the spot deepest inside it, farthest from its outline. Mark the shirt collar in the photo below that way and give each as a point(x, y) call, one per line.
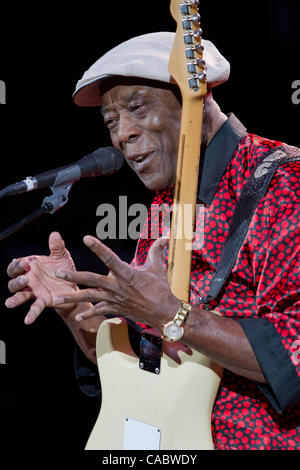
point(217, 156)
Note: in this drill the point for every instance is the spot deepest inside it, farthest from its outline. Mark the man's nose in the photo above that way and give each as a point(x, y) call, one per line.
point(128, 130)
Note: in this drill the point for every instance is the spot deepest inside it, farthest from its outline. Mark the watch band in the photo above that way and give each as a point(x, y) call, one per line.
point(182, 314)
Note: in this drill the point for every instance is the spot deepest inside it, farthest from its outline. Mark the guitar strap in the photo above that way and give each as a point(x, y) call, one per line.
point(253, 191)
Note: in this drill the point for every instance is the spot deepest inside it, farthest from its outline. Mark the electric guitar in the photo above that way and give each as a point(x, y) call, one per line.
point(153, 402)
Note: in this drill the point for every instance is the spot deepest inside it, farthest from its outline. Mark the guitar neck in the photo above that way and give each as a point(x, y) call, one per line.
point(185, 197)
point(187, 67)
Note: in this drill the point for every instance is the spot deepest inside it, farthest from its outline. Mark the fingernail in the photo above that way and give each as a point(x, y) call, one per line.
point(79, 317)
point(23, 281)
point(88, 241)
point(60, 274)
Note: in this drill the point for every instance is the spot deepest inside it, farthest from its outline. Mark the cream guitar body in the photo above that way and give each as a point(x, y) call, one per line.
point(170, 410)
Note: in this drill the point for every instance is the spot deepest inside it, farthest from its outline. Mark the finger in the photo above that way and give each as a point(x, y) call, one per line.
point(56, 245)
point(86, 278)
point(156, 251)
point(98, 310)
point(17, 267)
point(107, 256)
point(18, 299)
point(35, 310)
point(85, 295)
point(18, 284)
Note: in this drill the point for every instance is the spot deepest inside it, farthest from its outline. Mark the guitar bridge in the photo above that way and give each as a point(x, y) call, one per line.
point(150, 353)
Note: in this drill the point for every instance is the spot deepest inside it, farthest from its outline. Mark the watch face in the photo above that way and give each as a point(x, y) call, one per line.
point(173, 332)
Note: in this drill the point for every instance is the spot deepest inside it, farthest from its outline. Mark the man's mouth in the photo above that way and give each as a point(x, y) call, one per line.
point(140, 161)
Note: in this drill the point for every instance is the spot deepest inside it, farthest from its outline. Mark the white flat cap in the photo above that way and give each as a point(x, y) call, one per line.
point(145, 56)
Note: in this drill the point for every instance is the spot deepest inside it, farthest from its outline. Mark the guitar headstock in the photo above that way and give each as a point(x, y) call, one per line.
point(186, 64)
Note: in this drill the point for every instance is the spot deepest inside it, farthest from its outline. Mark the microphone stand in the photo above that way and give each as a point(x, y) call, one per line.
point(60, 193)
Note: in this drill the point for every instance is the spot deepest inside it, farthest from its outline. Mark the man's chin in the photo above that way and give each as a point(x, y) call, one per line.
point(156, 185)
point(155, 182)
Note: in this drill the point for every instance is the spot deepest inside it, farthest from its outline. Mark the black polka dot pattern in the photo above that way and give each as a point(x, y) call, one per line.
point(264, 283)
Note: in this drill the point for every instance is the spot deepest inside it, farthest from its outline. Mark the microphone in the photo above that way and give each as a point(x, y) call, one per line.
point(104, 161)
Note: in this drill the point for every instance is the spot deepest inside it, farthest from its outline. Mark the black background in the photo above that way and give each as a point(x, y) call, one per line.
point(43, 52)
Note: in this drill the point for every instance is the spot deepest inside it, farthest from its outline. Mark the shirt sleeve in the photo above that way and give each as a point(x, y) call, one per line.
point(275, 334)
point(86, 374)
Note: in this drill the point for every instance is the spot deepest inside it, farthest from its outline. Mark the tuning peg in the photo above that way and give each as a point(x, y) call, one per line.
point(189, 36)
point(191, 50)
point(198, 33)
point(188, 21)
point(184, 9)
point(195, 18)
point(192, 66)
point(202, 77)
point(195, 79)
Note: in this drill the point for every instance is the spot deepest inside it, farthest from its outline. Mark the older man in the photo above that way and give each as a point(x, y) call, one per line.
point(255, 338)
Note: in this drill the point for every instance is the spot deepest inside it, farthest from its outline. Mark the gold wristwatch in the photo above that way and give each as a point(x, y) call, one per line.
point(173, 330)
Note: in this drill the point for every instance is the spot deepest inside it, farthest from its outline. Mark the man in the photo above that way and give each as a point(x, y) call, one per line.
point(256, 335)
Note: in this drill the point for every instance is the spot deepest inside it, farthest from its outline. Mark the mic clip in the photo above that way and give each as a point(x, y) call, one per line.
point(61, 188)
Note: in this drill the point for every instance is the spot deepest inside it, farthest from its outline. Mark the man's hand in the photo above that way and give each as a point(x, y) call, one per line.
point(141, 294)
point(33, 277)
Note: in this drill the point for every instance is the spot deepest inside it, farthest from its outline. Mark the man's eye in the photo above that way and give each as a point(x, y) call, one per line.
point(110, 122)
point(135, 107)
